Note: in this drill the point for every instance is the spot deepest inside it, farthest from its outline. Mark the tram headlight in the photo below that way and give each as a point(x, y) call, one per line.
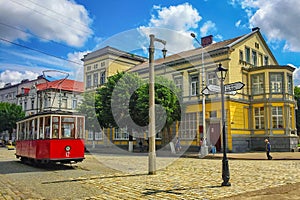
point(67, 148)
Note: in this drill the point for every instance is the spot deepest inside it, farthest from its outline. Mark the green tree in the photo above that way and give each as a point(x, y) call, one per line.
point(124, 101)
point(297, 98)
point(167, 96)
point(9, 115)
point(87, 107)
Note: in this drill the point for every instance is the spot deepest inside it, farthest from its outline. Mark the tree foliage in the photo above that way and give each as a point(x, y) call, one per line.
point(87, 107)
point(123, 101)
point(9, 115)
point(297, 98)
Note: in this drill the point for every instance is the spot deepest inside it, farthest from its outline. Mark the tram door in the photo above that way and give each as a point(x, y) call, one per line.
point(215, 136)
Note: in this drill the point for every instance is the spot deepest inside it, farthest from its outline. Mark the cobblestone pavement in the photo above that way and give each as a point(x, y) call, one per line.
point(184, 178)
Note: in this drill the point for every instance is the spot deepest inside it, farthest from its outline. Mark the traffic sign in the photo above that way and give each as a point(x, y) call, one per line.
point(234, 86)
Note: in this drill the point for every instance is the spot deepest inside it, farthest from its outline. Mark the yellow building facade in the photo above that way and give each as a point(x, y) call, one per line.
point(263, 108)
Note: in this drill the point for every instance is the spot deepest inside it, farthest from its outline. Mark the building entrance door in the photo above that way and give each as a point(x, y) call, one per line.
point(215, 136)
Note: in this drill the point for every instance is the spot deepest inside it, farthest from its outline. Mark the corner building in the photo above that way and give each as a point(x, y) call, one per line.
point(263, 108)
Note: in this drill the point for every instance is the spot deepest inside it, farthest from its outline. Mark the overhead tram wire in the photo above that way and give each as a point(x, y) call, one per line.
point(57, 13)
point(38, 36)
point(58, 20)
point(39, 51)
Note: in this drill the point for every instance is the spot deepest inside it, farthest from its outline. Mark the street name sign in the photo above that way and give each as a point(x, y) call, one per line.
point(213, 90)
point(234, 86)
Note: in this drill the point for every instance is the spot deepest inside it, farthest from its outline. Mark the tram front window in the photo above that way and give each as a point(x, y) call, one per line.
point(67, 127)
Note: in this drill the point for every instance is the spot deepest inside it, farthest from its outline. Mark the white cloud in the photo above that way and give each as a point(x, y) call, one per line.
point(207, 27)
point(296, 75)
point(278, 19)
point(173, 24)
point(57, 20)
point(15, 77)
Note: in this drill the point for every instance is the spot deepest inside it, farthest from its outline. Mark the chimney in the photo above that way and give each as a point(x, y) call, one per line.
point(255, 29)
point(207, 40)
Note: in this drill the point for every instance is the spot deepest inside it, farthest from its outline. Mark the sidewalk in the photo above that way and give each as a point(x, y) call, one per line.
point(248, 156)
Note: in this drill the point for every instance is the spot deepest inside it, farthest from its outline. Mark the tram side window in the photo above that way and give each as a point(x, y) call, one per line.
point(55, 127)
point(67, 127)
point(21, 131)
point(80, 127)
point(41, 128)
point(35, 129)
point(47, 127)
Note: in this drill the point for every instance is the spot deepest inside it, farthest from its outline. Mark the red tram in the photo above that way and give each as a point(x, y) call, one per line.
point(51, 137)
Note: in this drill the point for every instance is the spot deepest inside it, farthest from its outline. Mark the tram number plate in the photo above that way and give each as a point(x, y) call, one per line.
point(68, 154)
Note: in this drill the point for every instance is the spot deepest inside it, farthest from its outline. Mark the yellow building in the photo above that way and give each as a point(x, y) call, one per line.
point(105, 62)
point(263, 108)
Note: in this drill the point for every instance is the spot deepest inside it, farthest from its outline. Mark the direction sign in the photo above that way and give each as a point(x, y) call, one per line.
point(214, 88)
point(234, 86)
point(206, 91)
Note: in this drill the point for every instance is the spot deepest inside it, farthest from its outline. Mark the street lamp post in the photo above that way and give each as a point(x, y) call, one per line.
point(152, 132)
point(221, 73)
point(204, 148)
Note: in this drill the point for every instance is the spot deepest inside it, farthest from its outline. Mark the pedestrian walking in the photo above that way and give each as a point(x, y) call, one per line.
point(268, 149)
point(177, 145)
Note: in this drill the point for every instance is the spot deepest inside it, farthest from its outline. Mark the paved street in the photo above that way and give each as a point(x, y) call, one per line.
point(106, 176)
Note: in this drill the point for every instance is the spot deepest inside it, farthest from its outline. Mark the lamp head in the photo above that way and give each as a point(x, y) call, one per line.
point(221, 72)
point(193, 35)
point(164, 50)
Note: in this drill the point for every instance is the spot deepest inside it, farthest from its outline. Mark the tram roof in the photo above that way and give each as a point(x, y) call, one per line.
point(63, 84)
point(56, 112)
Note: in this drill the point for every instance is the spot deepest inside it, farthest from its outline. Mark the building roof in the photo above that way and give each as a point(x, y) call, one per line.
point(191, 54)
point(187, 55)
point(113, 51)
point(63, 84)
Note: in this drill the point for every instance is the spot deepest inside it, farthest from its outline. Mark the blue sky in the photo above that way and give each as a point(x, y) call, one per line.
point(37, 35)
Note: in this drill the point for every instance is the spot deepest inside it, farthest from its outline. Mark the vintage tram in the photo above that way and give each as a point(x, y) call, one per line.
point(55, 137)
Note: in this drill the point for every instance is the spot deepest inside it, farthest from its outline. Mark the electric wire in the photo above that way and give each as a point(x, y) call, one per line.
point(37, 50)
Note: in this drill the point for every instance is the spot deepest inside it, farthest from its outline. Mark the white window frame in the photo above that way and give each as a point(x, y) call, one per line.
point(276, 82)
point(257, 83)
point(259, 117)
point(121, 134)
point(277, 117)
point(188, 126)
point(212, 78)
point(194, 85)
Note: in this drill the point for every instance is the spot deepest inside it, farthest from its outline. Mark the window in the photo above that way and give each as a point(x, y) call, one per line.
point(121, 134)
point(64, 103)
point(213, 114)
point(102, 64)
point(257, 84)
point(68, 127)
point(212, 78)
point(290, 84)
point(88, 68)
point(25, 105)
point(95, 79)
point(95, 66)
point(32, 104)
point(188, 126)
point(276, 82)
point(259, 118)
point(277, 118)
point(55, 126)
point(88, 81)
point(178, 82)
point(194, 82)
point(247, 51)
point(241, 55)
point(99, 135)
point(74, 104)
point(102, 78)
point(254, 58)
point(266, 60)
